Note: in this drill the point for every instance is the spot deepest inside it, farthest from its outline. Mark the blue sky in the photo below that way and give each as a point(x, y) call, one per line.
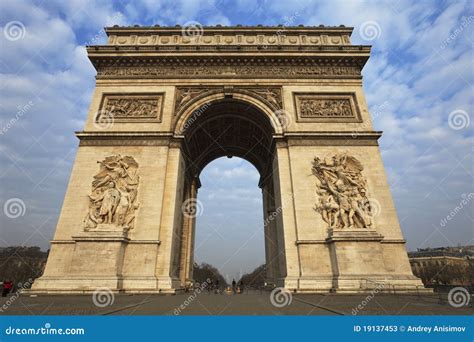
point(418, 84)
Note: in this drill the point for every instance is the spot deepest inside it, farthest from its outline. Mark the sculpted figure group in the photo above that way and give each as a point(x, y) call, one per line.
point(342, 192)
point(113, 199)
point(130, 107)
point(325, 108)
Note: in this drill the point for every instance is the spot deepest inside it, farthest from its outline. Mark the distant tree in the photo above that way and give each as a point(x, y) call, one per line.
point(20, 264)
point(203, 272)
point(254, 279)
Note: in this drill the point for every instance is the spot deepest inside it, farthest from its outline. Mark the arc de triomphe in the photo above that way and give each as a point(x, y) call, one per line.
point(287, 99)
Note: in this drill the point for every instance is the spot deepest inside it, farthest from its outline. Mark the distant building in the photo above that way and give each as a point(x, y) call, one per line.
point(444, 265)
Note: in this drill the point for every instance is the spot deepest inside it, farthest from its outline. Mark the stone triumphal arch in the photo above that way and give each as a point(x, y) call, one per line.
point(287, 99)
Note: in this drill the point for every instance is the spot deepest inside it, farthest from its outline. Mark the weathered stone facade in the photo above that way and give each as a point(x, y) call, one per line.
point(287, 99)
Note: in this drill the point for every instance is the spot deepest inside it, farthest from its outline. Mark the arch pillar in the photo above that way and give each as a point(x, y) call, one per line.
point(286, 227)
point(171, 221)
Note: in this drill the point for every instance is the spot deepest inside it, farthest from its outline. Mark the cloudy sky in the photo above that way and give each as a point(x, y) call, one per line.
point(418, 83)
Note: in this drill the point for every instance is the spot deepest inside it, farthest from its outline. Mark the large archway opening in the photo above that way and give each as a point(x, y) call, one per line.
point(233, 129)
point(229, 230)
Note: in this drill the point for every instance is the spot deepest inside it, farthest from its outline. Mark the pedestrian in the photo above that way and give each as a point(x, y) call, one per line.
point(7, 287)
point(234, 286)
point(241, 286)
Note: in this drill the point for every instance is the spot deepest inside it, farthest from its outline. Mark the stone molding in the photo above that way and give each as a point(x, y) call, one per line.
point(232, 35)
point(239, 67)
point(341, 138)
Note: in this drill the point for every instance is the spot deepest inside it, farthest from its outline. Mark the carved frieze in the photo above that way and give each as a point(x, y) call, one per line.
point(229, 71)
point(270, 95)
point(342, 192)
point(278, 37)
point(326, 107)
point(113, 197)
point(131, 107)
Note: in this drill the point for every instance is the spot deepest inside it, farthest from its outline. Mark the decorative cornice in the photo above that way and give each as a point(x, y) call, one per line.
point(236, 35)
point(341, 138)
point(226, 29)
point(160, 50)
point(355, 138)
point(216, 52)
point(310, 242)
point(125, 138)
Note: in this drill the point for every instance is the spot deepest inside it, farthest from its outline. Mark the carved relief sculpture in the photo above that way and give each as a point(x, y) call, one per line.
point(126, 107)
point(318, 107)
point(342, 192)
point(113, 198)
point(230, 71)
point(186, 95)
point(325, 108)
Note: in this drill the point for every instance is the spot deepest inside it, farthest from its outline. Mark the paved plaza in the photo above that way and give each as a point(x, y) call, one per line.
point(257, 303)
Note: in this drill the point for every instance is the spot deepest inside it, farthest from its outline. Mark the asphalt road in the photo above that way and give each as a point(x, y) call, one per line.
point(258, 303)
